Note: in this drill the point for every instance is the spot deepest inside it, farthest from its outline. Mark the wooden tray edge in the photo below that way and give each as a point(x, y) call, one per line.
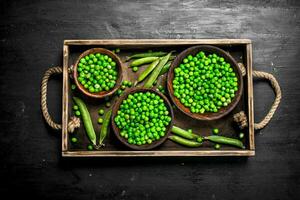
point(124, 42)
point(156, 41)
point(158, 153)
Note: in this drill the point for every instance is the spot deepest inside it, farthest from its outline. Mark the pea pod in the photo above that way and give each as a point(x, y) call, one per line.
point(184, 142)
point(147, 71)
point(104, 128)
point(150, 54)
point(183, 133)
point(156, 71)
point(86, 118)
point(143, 61)
point(165, 69)
point(225, 140)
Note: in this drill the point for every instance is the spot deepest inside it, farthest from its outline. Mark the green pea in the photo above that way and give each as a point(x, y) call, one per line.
point(217, 146)
point(215, 131)
point(135, 69)
point(90, 147)
point(100, 120)
point(77, 113)
point(74, 139)
point(241, 135)
point(101, 111)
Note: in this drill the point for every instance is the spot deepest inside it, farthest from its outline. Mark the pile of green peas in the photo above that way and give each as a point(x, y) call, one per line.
point(97, 72)
point(204, 83)
point(142, 118)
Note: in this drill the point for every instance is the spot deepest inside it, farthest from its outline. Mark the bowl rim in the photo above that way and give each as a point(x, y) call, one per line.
point(116, 130)
point(101, 94)
point(210, 115)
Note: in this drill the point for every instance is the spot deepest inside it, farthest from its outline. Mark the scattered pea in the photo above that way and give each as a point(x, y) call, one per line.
point(90, 147)
point(215, 131)
point(73, 87)
point(101, 111)
point(241, 135)
point(107, 104)
point(77, 113)
point(100, 120)
point(217, 146)
point(74, 139)
point(75, 107)
point(135, 69)
point(117, 50)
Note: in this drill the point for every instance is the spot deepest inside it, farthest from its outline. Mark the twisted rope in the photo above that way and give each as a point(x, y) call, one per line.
point(74, 121)
point(241, 118)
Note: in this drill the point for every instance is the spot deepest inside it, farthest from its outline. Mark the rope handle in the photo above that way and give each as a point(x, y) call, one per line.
point(74, 121)
point(241, 117)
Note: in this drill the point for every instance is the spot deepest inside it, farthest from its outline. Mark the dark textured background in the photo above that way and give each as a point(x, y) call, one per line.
point(31, 38)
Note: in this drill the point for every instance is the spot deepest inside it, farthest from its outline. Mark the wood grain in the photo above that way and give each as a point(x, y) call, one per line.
point(158, 153)
point(154, 42)
point(250, 96)
point(65, 99)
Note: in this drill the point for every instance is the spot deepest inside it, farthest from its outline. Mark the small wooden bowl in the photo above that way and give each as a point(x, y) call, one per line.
point(207, 49)
point(117, 130)
point(101, 94)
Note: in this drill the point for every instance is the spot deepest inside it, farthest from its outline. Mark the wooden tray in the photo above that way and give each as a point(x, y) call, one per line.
point(240, 49)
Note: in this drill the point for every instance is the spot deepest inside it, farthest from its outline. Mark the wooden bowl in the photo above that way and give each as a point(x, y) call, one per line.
point(101, 94)
point(207, 49)
point(117, 130)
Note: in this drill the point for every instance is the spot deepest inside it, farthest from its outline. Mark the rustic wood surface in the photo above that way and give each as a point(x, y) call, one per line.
point(31, 39)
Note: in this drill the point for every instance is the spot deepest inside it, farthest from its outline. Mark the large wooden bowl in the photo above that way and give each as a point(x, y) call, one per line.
point(117, 130)
point(207, 49)
point(101, 94)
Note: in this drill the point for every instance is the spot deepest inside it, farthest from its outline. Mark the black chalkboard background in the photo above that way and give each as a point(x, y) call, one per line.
point(31, 38)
